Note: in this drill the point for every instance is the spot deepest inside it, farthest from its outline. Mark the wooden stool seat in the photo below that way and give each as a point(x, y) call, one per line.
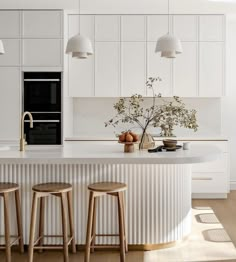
point(107, 187)
point(8, 187)
point(114, 189)
point(5, 190)
point(52, 187)
point(40, 192)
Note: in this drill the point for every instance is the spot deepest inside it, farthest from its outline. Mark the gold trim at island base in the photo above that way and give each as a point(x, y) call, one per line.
point(142, 247)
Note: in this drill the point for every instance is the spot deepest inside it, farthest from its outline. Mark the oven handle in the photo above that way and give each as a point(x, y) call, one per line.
point(42, 80)
point(43, 121)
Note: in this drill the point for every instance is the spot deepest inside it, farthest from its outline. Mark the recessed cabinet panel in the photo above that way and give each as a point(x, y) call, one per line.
point(12, 53)
point(133, 28)
point(10, 103)
point(211, 69)
point(158, 67)
point(211, 27)
point(185, 71)
point(42, 52)
point(42, 24)
point(157, 26)
point(133, 68)
point(185, 27)
point(86, 25)
point(107, 69)
point(9, 24)
point(107, 28)
point(81, 77)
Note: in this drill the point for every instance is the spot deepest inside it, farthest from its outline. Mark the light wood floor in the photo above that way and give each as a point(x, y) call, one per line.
point(225, 210)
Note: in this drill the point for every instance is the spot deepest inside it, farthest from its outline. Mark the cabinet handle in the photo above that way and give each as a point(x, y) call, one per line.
point(202, 178)
point(42, 80)
point(43, 121)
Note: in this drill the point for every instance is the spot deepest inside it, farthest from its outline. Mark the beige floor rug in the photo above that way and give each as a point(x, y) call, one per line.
point(208, 242)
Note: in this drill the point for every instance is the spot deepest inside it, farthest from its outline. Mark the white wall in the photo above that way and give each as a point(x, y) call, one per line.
point(91, 113)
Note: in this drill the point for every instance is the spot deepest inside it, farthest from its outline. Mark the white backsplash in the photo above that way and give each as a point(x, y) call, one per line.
point(89, 115)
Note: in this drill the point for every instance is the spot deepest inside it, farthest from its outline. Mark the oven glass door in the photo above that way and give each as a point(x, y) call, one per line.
point(44, 132)
point(42, 96)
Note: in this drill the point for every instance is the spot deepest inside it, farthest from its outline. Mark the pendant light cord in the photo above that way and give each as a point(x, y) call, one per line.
point(79, 16)
point(168, 16)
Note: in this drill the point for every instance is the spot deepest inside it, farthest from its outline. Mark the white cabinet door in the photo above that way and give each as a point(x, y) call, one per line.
point(9, 24)
point(158, 67)
point(185, 27)
point(42, 24)
point(107, 69)
point(42, 52)
point(211, 69)
point(133, 28)
point(107, 28)
point(81, 77)
point(133, 68)
point(211, 27)
point(157, 26)
point(12, 53)
point(9, 103)
point(185, 76)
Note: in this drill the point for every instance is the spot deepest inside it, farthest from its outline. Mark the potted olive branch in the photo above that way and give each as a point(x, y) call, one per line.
point(165, 115)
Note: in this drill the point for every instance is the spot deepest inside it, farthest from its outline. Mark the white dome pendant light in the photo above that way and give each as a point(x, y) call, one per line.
point(2, 51)
point(169, 45)
point(80, 46)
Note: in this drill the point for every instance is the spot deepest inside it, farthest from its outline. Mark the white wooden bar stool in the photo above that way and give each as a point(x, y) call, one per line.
point(40, 191)
point(96, 190)
point(5, 190)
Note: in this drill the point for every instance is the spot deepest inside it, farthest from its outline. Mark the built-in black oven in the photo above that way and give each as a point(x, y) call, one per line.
point(42, 91)
point(42, 97)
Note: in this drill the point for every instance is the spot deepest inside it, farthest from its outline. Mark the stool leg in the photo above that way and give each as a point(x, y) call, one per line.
point(41, 222)
point(71, 221)
point(32, 226)
point(125, 229)
point(89, 226)
point(64, 226)
point(121, 227)
point(19, 220)
point(94, 224)
point(7, 227)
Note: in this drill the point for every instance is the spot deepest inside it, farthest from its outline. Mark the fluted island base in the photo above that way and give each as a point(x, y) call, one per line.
point(158, 199)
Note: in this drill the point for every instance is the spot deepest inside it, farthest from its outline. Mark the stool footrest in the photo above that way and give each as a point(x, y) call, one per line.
point(105, 246)
point(16, 238)
point(51, 246)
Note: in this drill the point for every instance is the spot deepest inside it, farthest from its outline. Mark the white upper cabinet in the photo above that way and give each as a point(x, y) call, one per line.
point(211, 69)
point(9, 24)
point(211, 27)
point(12, 53)
point(185, 76)
point(10, 103)
point(42, 52)
point(133, 28)
point(157, 26)
point(107, 69)
point(107, 28)
point(185, 27)
point(42, 24)
point(158, 67)
point(133, 68)
point(81, 71)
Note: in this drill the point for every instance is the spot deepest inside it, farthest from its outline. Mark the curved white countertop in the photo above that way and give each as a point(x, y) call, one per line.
point(107, 153)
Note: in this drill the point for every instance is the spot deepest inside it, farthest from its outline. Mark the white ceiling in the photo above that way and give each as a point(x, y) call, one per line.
point(124, 6)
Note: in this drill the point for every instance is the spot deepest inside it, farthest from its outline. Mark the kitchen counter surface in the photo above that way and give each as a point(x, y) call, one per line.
point(107, 153)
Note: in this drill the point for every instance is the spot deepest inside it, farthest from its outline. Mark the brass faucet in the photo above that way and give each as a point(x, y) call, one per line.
point(22, 135)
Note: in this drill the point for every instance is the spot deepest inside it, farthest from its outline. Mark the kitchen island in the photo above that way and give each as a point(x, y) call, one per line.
point(158, 200)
